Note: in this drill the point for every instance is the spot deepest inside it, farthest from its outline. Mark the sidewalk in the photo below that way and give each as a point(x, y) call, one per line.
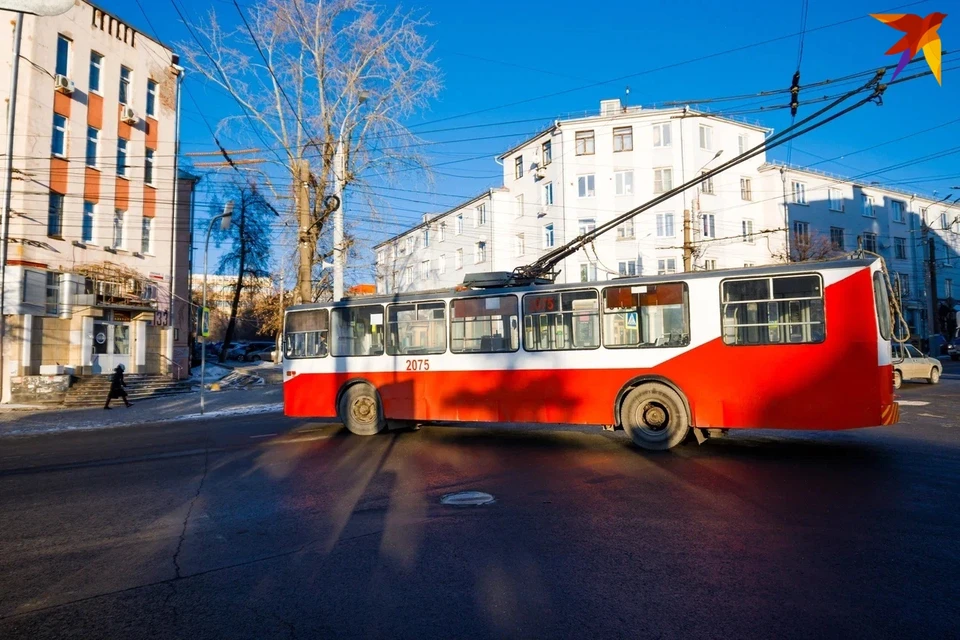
point(17, 421)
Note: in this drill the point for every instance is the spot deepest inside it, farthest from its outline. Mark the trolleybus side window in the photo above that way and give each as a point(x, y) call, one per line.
point(779, 310)
point(305, 334)
point(653, 315)
point(883, 305)
point(358, 331)
point(559, 321)
point(414, 329)
point(484, 325)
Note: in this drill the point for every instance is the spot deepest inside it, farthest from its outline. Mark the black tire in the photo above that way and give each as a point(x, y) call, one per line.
point(897, 379)
point(655, 417)
point(934, 375)
point(360, 410)
point(254, 358)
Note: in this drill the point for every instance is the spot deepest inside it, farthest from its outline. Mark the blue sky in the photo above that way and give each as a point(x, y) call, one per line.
point(505, 61)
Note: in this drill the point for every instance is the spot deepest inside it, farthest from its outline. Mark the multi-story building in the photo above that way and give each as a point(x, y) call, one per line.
point(94, 224)
point(581, 173)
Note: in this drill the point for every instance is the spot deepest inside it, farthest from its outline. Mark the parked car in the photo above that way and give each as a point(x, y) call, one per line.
point(262, 353)
point(244, 351)
point(910, 364)
point(953, 348)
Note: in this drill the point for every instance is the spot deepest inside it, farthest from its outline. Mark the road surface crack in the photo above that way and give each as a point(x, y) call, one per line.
point(186, 519)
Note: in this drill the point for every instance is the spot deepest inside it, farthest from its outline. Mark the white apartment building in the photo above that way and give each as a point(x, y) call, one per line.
point(91, 262)
point(582, 173)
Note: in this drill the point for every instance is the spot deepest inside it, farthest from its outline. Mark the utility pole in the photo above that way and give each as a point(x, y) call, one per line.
point(687, 241)
point(339, 255)
point(934, 319)
point(306, 245)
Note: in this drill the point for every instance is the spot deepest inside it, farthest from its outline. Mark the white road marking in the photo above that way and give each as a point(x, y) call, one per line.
point(931, 415)
point(912, 403)
point(264, 435)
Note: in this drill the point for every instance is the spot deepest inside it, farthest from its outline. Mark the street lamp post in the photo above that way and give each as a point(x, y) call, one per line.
point(224, 218)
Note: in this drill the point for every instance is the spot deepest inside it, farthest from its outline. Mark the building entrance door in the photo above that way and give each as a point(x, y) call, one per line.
point(111, 346)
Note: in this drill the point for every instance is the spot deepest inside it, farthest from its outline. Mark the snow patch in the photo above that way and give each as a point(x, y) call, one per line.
point(234, 411)
point(212, 373)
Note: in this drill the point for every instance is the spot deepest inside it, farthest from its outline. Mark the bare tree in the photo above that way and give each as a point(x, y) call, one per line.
point(311, 75)
point(810, 247)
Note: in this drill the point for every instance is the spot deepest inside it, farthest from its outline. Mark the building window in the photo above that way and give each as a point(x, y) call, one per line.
point(836, 199)
point(870, 242)
point(748, 264)
point(904, 282)
point(586, 225)
point(799, 193)
point(709, 226)
point(519, 248)
point(484, 325)
point(518, 167)
point(742, 143)
point(481, 218)
point(710, 265)
point(666, 265)
point(746, 189)
point(426, 238)
point(547, 152)
point(89, 214)
point(706, 137)
point(897, 206)
point(124, 85)
point(585, 143)
point(623, 139)
point(146, 236)
point(148, 167)
point(588, 272)
point(55, 215)
point(425, 270)
point(459, 224)
point(59, 144)
point(118, 229)
point(480, 252)
point(548, 193)
point(63, 56)
point(151, 98)
point(627, 268)
point(548, 235)
point(407, 276)
point(948, 288)
point(900, 248)
point(836, 238)
point(411, 244)
point(944, 224)
point(866, 204)
point(53, 293)
point(665, 225)
point(96, 66)
point(585, 186)
point(781, 310)
point(801, 233)
point(746, 229)
point(121, 157)
point(458, 259)
point(442, 264)
point(519, 201)
point(93, 146)
point(661, 135)
point(442, 232)
point(626, 230)
point(662, 180)
point(706, 185)
point(623, 182)
point(381, 257)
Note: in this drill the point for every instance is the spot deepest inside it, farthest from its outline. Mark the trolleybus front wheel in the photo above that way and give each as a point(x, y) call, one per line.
point(360, 410)
point(654, 416)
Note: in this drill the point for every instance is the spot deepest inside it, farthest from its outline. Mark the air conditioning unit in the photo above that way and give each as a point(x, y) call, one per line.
point(63, 84)
point(539, 172)
point(128, 115)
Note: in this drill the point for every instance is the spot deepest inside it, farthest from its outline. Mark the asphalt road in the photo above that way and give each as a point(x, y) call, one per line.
point(266, 527)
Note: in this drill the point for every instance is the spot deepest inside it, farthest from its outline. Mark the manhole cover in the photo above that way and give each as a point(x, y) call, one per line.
point(466, 498)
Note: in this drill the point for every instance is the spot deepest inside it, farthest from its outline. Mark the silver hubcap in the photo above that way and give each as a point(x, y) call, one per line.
point(364, 410)
point(653, 418)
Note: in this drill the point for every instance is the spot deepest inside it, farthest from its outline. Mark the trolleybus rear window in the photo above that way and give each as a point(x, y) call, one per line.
point(305, 335)
point(653, 315)
point(883, 305)
point(414, 329)
point(779, 310)
point(484, 325)
point(559, 321)
point(358, 331)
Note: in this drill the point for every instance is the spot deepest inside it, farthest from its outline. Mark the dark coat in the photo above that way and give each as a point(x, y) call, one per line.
point(117, 385)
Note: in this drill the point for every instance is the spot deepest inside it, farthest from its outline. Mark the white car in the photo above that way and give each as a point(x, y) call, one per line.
point(910, 364)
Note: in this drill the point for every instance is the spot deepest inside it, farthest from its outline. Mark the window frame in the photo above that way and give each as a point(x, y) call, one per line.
point(865, 199)
point(837, 204)
point(660, 172)
point(123, 94)
point(705, 137)
point(799, 192)
point(96, 63)
point(95, 141)
point(122, 150)
point(458, 259)
point(589, 139)
point(546, 152)
point(326, 352)
point(119, 215)
point(896, 205)
point(59, 133)
point(146, 236)
point(708, 230)
point(333, 338)
point(450, 319)
point(549, 232)
point(151, 107)
point(899, 243)
point(660, 127)
point(746, 189)
point(685, 306)
point(518, 167)
point(57, 211)
point(68, 55)
point(843, 238)
point(386, 328)
point(560, 293)
point(584, 180)
point(771, 298)
point(623, 136)
point(620, 182)
point(149, 159)
point(92, 216)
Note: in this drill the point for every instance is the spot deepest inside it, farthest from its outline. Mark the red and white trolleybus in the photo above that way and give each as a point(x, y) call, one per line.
point(797, 346)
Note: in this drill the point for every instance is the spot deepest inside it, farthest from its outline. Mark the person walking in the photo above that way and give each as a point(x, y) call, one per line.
point(116, 388)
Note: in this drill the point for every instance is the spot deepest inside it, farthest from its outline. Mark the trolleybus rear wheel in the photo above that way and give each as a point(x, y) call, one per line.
point(654, 416)
point(360, 410)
